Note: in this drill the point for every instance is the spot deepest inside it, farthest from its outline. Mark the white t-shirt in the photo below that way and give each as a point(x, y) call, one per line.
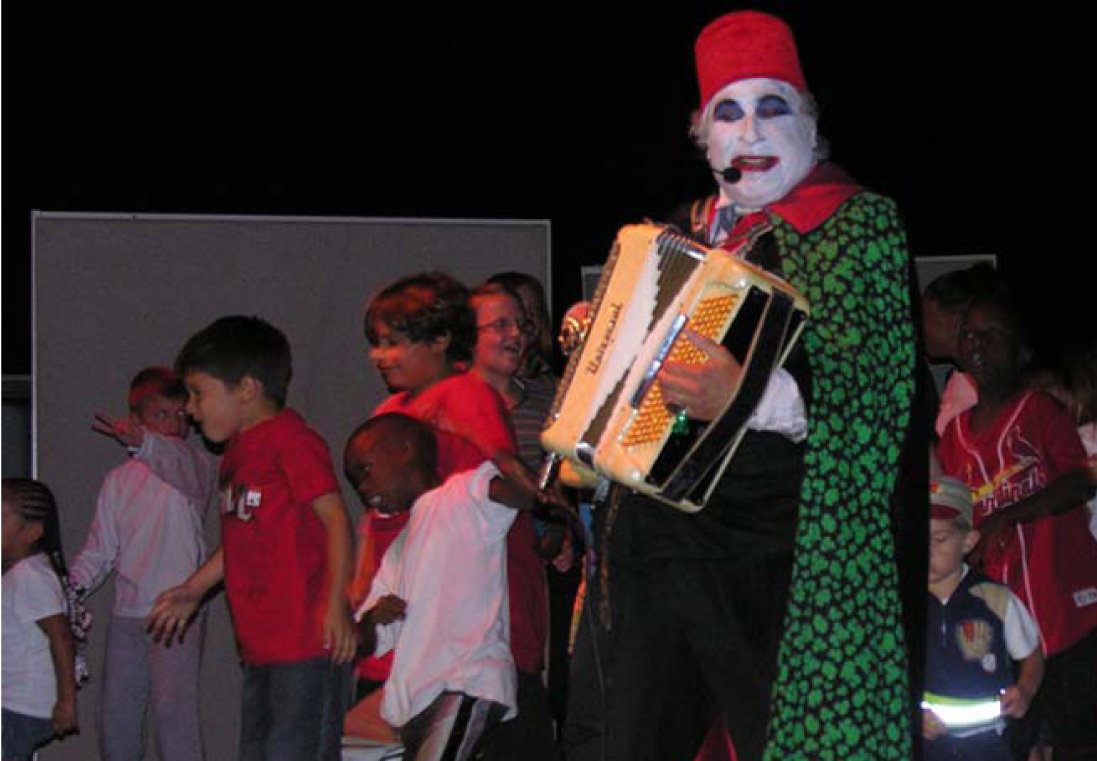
point(148, 524)
point(31, 592)
point(449, 566)
point(1022, 636)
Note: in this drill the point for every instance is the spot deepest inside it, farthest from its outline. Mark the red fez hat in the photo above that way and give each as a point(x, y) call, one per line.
point(742, 45)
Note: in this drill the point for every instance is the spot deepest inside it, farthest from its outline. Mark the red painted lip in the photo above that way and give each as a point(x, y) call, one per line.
point(754, 163)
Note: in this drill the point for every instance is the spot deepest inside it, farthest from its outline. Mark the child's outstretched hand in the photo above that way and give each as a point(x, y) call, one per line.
point(340, 638)
point(125, 431)
point(171, 613)
point(1015, 701)
point(64, 716)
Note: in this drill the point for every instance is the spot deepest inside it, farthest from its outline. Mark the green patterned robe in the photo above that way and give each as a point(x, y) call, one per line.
point(841, 691)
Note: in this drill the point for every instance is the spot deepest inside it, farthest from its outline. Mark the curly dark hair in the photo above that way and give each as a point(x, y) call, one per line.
point(425, 306)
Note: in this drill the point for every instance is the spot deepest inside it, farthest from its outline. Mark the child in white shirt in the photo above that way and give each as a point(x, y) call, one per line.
point(440, 596)
point(39, 655)
point(148, 530)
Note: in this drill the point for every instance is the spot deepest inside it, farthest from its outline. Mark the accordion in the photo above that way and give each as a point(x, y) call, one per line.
point(609, 418)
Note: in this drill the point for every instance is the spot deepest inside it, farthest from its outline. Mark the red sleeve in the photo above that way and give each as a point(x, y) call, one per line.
point(307, 465)
point(474, 410)
point(391, 403)
point(1059, 438)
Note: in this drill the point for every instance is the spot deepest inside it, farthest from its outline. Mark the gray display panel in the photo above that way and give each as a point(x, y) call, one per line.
point(114, 293)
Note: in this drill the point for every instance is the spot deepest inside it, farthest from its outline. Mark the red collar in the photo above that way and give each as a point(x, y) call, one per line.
point(812, 202)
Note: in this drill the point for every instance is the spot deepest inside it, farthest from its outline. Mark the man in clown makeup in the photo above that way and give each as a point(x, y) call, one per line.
point(776, 609)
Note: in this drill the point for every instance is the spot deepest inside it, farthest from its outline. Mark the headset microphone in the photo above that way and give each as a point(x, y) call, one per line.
point(731, 175)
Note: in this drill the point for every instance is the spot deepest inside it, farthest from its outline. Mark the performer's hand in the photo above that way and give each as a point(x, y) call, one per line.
point(340, 637)
point(703, 389)
point(932, 727)
point(172, 612)
point(126, 431)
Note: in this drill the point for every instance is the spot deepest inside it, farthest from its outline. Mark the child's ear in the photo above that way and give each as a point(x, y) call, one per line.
point(250, 388)
point(971, 540)
point(33, 531)
point(440, 344)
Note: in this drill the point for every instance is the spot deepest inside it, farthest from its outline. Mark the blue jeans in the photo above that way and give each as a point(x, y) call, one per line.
point(22, 734)
point(292, 711)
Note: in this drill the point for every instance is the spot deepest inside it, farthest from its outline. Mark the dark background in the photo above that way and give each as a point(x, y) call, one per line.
point(977, 121)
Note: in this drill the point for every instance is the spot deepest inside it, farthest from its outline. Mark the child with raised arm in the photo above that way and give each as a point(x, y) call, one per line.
point(439, 598)
point(285, 553)
point(976, 630)
point(148, 530)
point(39, 656)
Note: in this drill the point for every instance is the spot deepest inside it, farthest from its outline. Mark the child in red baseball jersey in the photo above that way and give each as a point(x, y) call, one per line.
point(1019, 453)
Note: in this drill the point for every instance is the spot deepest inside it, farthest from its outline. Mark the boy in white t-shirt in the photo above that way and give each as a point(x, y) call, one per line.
point(439, 598)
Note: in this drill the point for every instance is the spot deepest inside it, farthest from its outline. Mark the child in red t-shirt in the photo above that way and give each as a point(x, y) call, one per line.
point(421, 333)
point(286, 550)
point(1021, 457)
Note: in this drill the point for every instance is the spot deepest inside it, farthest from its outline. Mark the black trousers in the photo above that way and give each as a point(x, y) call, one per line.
point(684, 642)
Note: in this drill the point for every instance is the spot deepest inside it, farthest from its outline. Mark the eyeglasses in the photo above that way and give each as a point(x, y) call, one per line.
point(506, 325)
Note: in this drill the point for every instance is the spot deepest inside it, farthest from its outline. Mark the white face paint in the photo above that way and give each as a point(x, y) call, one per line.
point(760, 127)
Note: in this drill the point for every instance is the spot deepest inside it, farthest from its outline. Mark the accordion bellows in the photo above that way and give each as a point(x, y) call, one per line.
point(609, 417)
